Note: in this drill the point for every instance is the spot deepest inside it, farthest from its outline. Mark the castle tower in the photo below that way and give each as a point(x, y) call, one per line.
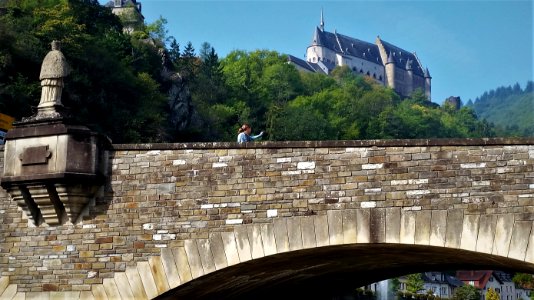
point(390, 71)
point(409, 79)
point(428, 84)
point(129, 11)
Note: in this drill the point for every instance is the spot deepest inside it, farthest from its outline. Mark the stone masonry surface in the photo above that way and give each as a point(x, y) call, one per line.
point(159, 195)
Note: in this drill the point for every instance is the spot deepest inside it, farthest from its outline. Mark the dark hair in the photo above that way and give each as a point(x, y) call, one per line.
point(244, 127)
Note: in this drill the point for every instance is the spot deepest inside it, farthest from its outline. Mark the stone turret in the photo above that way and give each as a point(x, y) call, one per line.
point(390, 71)
point(428, 84)
point(53, 168)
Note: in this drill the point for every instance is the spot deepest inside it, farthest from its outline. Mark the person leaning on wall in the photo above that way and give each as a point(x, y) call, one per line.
point(244, 134)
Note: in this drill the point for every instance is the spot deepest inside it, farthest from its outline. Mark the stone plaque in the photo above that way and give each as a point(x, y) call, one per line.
point(35, 155)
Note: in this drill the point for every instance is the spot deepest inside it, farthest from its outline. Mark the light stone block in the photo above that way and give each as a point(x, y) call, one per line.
point(267, 238)
point(256, 244)
point(158, 273)
point(335, 226)
point(88, 295)
point(349, 226)
point(149, 284)
point(438, 226)
point(67, 295)
point(294, 233)
point(407, 228)
point(519, 244)
point(486, 233)
point(206, 258)
point(503, 234)
point(111, 288)
point(217, 249)
point(529, 257)
point(308, 232)
point(422, 227)
point(4, 282)
point(469, 232)
point(37, 295)
point(393, 225)
point(322, 236)
point(99, 292)
point(121, 280)
point(363, 219)
point(182, 263)
point(280, 235)
point(9, 292)
point(243, 244)
point(20, 296)
point(136, 284)
point(170, 267)
point(377, 225)
point(230, 248)
point(453, 235)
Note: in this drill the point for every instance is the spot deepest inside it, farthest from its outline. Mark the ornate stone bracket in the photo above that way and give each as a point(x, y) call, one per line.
point(53, 167)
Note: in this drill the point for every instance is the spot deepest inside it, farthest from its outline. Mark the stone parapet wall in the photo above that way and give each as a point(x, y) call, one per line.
point(160, 195)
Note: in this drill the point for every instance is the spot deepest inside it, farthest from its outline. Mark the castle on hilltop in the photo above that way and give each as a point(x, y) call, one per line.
point(386, 63)
point(129, 11)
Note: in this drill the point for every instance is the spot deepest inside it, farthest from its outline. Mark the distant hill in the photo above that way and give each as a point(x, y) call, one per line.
point(511, 109)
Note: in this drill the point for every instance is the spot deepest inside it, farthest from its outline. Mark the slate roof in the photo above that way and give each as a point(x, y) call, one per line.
point(346, 45)
point(312, 67)
point(447, 279)
point(401, 58)
point(300, 62)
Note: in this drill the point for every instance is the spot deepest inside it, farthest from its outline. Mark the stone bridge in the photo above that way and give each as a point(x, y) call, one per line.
point(229, 221)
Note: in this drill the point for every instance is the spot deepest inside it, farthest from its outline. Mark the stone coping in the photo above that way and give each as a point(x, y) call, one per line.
point(331, 144)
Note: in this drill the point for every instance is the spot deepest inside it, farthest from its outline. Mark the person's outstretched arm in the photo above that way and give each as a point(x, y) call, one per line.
point(256, 136)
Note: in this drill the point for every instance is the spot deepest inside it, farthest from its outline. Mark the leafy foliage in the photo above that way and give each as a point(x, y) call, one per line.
point(118, 88)
point(114, 84)
point(466, 292)
point(414, 283)
point(491, 294)
point(511, 109)
point(524, 280)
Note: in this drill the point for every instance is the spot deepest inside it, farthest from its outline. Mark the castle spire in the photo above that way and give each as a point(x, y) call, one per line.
point(322, 21)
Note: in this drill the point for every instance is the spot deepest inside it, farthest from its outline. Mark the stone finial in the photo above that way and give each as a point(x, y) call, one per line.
point(54, 64)
point(53, 69)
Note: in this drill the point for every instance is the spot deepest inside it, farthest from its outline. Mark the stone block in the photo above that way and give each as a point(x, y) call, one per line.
point(158, 273)
point(268, 239)
point(149, 284)
point(335, 226)
point(503, 235)
point(294, 232)
point(470, 232)
point(518, 243)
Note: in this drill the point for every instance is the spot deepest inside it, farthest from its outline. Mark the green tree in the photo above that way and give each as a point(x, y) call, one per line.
point(524, 280)
point(491, 294)
point(466, 292)
point(414, 283)
point(113, 74)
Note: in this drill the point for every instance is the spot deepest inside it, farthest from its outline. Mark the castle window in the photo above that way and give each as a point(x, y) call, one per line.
point(361, 71)
point(354, 69)
point(368, 74)
point(380, 77)
point(374, 75)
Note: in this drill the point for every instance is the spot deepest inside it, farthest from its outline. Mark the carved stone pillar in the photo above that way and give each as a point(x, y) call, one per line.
point(53, 167)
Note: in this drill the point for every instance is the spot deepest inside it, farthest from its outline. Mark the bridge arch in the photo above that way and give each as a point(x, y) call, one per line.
point(440, 199)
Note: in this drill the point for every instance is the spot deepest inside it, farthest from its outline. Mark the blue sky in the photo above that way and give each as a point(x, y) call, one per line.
point(468, 46)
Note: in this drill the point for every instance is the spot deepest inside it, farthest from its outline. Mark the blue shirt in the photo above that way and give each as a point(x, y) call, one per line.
point(243, 137)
